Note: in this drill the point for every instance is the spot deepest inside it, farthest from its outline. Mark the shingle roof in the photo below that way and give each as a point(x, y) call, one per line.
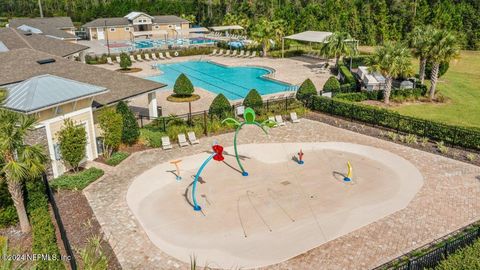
point(44, 91)
point(16, 39)
point(21, 64)
point(123, 21)
point(49, 26)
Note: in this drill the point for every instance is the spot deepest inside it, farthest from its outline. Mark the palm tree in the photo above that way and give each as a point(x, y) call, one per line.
point(392, 61)
point(444, 48)
point(422, 43)
point(337, 45)
point(18, 161)
point(266, 32)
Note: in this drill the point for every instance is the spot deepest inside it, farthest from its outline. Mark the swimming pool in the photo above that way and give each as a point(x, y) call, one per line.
point(233, 82)
point(152, 43)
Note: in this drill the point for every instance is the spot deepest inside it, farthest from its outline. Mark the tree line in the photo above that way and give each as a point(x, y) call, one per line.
point(371, 21)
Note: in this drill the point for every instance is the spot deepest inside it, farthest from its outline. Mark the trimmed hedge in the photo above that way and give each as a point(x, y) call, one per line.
point(253, 100)
point(347, 75)
point(359, 60)
point(306, 90)
point(357, 96)
point(76, 181)
point(454, 135)
point(220, 106)
point(43, 231)
point(466, 258)
point(331, 85)
point(183, 86)
point(117, 158)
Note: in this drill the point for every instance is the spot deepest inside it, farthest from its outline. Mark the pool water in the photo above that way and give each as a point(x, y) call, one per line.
point(233, 82)
point(152, 43)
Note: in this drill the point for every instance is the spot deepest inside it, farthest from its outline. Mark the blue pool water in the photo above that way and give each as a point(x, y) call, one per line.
point(152, 43)
point(233, 82)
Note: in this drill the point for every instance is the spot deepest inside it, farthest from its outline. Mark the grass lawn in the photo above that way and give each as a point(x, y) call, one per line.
point(461, 84)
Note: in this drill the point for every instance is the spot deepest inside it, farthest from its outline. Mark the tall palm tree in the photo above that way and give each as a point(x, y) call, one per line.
point(392, 61)
point(337, 45)
point(266, 31)
point(444, 48)
point(422, 43)
point(18, 161)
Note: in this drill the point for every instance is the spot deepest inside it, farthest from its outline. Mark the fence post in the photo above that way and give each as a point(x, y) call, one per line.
point(267, 105)
point(398, 123)
point(164, 124)
point(445, 251)
point(409, 264)
point(351, 112)
point(205, 128)
point(141, 120)
point(286, 105)
point(455, 136)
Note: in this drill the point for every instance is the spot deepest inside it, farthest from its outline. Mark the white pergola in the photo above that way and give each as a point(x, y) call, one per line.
point(226, 28)
point(307, 36)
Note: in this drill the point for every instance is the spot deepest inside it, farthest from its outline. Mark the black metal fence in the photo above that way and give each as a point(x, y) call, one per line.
point(436, 251)
point(61, 228)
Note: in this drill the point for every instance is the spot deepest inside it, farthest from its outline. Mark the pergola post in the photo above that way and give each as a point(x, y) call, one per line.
point(152, 105)
point(283, 46)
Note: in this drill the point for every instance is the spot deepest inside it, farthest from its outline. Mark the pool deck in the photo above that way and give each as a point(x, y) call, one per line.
point(448, 200)
point(290, 70)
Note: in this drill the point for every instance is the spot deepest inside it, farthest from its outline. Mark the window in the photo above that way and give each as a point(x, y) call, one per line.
point(127, 28)
point(112, 29)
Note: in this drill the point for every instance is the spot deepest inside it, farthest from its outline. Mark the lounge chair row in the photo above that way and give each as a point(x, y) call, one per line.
point(182, 140)
point(220, 34)
point(233, 53)
point(279, 120)
point(138, 57)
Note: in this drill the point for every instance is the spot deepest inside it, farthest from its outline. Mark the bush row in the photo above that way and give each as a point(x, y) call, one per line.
point(454, 135)
point(76, 181)
point(43, 231)
point(8, 214)
point(117, 158)
point(360, 60)
point(466, 258)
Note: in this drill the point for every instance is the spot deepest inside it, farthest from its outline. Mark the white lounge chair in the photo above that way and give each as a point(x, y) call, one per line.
point(109, 61)
point(294, 118)
point(166, 143)
point(167, 55)
point(279, 120)
point(147, 57)
point(192, 138)
point(132, 58)
point(117, 58)
point(247, 54)
point(272, 118)
point(154, 56)
point(220, 52)
point(182, 141)
point(234, 53)
point(228, 53)
point(214, 52)
point(242, 53)
point(254, 54)
point(139, 58)
point(160, 55)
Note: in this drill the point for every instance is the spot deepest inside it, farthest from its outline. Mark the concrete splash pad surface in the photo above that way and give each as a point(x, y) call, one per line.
point(280, 210)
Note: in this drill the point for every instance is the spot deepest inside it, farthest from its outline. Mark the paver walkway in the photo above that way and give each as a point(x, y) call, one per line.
point(448, 200)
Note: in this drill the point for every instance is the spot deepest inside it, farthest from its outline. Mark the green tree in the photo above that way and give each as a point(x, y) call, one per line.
point(392, 61)
point(3, 95)
point(18, 161)
point(125, 62)
point(183, 86)
point(111, 125)
point(337, 45)
point(422, 43)
point(253, 100)
point(130, 128)
point(444, 49)
point(331, 85)
point(220, 106)
point(266, 32)
point(306, 91)
point(73, 140)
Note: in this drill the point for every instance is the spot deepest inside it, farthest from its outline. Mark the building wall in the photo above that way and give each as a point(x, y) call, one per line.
point(119, 33)
point(63, 109)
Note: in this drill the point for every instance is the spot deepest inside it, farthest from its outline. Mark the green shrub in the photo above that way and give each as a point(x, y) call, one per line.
point(220, 106)
point(183, 86)
point(77, 181)
point(253, 100)
point(465, 258)
point(43, 232)
point(130, 129)
point(441, 71)
point(151, 138)
point(306, 91)
point(347, 75)
point(73, 141)
point(93, 256)
point(8, 213)
point(360, 60)
point(116, 158)
point(332, 85)
point(357, 96)
point(111, 125)
point(125, 61)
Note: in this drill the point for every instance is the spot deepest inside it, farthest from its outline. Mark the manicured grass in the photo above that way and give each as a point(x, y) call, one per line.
point(76, 181)
point(116, 158)
point(461, 84)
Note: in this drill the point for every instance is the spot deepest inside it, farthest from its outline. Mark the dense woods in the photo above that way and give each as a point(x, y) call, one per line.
point(370, 21)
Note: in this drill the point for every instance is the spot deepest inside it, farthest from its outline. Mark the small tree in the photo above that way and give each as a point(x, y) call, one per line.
point(441, 70)
point(306, 91)
point(253, 100)
point(125, 61)
point(183, 86)
point(73, 140)
point(130, 129)
point(332, 85)
point(220, 106)
point(111, 124)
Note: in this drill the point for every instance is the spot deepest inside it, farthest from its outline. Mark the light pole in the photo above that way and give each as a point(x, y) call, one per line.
point(40, 7)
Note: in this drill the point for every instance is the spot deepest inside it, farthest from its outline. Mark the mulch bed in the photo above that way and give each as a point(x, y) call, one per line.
point(453, 152)
point(18, 242)
point(80, 224)
point(130, 70)
point(175, 98)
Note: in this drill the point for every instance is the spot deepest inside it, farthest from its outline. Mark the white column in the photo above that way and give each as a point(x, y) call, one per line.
point(152, 104)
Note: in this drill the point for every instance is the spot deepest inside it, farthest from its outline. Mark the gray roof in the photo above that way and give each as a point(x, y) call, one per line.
point(16, 39)
point(49, 26)
point(123, 21)
point(19, 65)
point(44, 91)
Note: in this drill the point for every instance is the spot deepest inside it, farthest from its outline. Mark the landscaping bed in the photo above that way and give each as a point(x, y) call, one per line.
point(176, 98)
point(130, 70)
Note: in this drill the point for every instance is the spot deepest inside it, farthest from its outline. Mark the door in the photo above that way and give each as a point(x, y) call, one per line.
point(100, 34)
